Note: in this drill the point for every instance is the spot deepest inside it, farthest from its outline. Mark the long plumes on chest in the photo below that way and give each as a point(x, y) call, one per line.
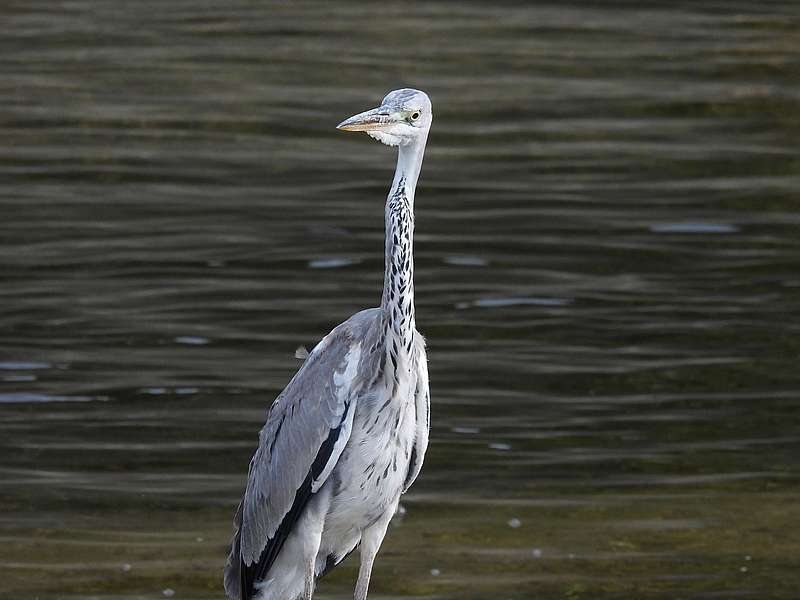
point(384, 430)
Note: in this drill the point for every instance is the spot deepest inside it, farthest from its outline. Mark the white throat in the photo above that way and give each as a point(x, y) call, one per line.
point(409, 164)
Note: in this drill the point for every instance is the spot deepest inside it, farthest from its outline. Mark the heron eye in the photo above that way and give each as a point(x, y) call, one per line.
point(415, 115)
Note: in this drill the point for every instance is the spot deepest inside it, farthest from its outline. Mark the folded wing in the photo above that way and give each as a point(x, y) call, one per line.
point(303, 438)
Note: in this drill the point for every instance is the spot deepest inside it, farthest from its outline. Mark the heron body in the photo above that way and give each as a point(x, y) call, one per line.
point(348, 434)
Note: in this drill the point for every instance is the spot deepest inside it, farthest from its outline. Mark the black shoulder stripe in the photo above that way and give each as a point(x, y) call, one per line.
point(250, 574)
point(325, 451)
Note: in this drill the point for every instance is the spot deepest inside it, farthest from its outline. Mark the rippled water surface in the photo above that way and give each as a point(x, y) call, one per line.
point(608, 274)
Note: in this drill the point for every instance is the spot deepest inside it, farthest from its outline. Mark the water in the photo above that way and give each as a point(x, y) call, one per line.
point(608, 274)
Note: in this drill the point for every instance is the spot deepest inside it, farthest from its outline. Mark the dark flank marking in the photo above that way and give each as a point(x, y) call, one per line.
point(385, 472)
point(411, 465)
point(250, 574)
point(331, 563)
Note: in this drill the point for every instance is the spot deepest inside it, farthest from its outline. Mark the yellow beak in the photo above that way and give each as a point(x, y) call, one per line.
point(371, 120)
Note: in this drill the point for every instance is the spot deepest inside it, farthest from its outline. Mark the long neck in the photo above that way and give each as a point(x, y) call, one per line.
point(397, 303)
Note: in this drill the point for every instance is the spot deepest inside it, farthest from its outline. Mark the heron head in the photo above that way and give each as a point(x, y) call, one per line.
point(403, 117)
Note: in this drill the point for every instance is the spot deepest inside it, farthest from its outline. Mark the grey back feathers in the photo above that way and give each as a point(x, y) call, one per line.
point(318, 400)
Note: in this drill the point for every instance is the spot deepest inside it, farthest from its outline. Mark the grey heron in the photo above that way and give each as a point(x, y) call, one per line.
point(348, 434)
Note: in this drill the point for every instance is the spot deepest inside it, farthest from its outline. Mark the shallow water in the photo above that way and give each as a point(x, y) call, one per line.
point(608, 275)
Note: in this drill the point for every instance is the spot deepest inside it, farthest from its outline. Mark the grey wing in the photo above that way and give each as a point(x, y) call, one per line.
point(422, 402)
point(306, 430)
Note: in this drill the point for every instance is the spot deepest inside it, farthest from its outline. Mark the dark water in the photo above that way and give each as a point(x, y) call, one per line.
point(608, 274)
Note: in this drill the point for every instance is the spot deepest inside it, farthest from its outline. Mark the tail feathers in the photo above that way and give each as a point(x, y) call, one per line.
point(232, 577)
